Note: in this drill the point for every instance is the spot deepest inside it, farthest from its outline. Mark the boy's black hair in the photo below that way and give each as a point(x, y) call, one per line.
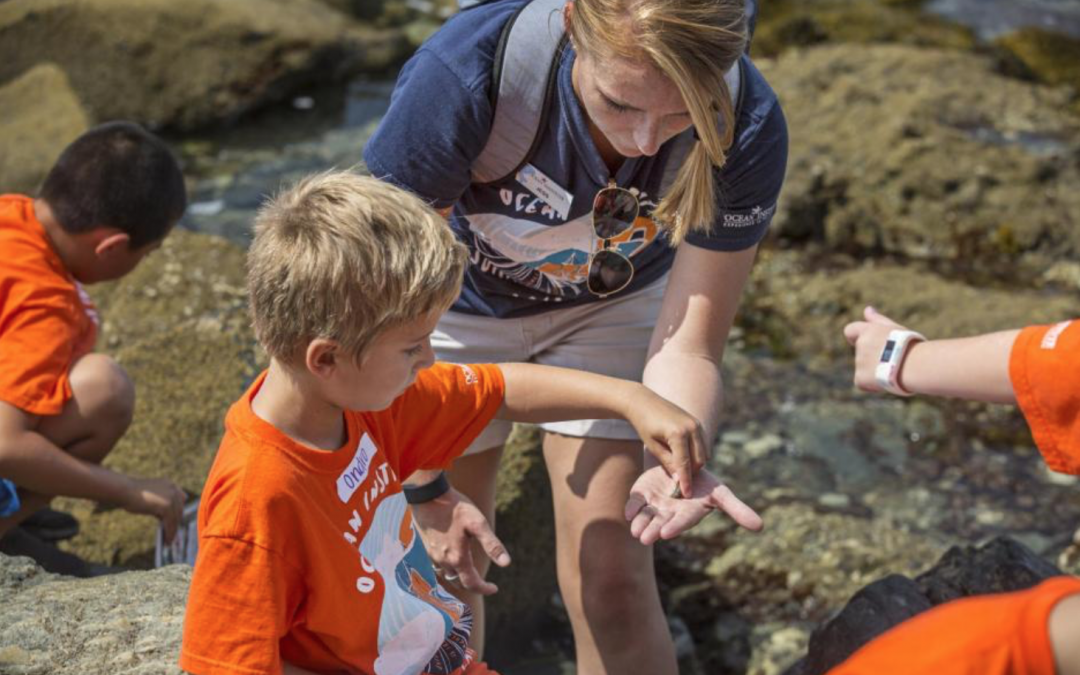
point(117, 175)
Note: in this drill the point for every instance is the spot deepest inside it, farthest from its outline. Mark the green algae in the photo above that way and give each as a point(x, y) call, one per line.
point(1045, 56)
point(178, 324)
point(785, 24)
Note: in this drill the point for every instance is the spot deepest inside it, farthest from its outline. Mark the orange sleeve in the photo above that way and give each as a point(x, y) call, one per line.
point(1004, 634)
point(241, 603)
point(1044, 367)
point(37, 349)
point(445, 409)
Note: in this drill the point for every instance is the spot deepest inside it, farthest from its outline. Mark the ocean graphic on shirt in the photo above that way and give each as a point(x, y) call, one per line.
point(549, 259)
point(422, 628)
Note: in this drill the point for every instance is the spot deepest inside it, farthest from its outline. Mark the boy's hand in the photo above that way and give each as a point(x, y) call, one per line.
point(673, 436)
point(654, 514)
point(157, 497)
point(868, 338)
point(448, 524)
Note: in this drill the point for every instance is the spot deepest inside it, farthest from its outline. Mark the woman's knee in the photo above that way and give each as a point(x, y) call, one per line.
point(103, 391)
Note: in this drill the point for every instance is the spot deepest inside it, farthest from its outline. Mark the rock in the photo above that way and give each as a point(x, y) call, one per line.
point(969, 169)
point(42, 115)
point(1000, 566)
point(832, 555)
point(806, 304)
point(790, 23)
point(1046, 56)
point(53, 625)
point(872, 611)
point(185, 65)
point(186, 376)
point(525, 524)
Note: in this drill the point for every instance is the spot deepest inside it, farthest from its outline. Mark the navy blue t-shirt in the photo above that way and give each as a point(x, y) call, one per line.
point(525, 257)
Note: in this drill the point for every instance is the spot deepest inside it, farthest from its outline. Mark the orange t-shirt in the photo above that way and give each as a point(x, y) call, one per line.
point(1045, 371)
point(1003, 634)
point(46, 319)
point(311, 557)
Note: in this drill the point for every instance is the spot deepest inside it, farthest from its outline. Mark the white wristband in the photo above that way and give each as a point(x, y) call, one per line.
point(887, 372)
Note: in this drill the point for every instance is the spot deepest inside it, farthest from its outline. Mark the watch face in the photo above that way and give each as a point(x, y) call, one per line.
point(886, 353)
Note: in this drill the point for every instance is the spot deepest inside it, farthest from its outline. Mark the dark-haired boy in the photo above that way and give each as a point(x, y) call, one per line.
point(111, 198)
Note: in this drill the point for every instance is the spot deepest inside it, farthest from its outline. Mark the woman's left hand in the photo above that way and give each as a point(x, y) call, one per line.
point(654, 514)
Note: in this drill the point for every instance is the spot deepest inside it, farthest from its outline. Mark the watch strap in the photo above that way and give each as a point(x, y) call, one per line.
point(420, 494)
point(893, 352)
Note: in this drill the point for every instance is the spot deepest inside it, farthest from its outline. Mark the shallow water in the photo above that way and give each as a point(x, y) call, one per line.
point(991, 19)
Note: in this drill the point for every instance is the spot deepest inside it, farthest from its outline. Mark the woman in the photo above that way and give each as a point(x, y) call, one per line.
point(588, 258)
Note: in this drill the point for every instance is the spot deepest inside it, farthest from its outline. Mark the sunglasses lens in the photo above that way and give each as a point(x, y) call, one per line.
point(614, 211)
point(609, 272)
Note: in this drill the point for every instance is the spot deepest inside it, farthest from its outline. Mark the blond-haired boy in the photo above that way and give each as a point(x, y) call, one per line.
point(308, 558)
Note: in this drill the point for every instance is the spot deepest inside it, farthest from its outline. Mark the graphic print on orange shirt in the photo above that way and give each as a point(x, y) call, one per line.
point(422, 628)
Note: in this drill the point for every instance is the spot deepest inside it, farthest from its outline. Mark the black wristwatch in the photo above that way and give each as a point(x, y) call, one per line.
point(420, 494)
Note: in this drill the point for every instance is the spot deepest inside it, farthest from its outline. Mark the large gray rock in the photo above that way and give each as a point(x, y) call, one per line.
point(190, 63)
point(126, 623)
point(42, 115)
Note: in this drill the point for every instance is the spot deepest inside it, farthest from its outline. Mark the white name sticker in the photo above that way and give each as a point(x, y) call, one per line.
point(546, 189)
point(355, 474)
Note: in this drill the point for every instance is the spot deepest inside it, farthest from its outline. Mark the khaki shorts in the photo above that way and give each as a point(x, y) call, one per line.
point(609, 337)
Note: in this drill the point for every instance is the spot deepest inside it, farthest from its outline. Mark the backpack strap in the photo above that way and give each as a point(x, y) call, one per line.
point(522, 86)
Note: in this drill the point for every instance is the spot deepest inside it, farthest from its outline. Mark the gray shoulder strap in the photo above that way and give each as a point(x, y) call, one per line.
point(523, 75)
point(685, 140)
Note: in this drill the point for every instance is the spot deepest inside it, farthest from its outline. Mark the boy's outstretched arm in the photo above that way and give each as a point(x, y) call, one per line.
point(536, 394)
point(973, 368)
point(33, 462)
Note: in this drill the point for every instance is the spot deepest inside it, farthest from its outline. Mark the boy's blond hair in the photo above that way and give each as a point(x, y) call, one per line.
point(345, 257)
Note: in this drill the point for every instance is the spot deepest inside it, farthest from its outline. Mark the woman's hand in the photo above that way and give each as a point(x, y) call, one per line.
point(448, 524)
point(654, 514)
point(671, 435)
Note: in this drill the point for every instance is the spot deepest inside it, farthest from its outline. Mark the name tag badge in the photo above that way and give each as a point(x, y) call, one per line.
point(546, 189)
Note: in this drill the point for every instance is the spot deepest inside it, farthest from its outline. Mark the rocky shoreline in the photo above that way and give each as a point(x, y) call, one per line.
point(933, 173)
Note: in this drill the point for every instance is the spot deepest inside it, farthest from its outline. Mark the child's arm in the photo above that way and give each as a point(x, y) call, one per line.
point(974, 368)
point(33, 462)
point(536, 393)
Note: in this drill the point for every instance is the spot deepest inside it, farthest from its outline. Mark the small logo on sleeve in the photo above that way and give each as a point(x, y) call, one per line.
point(470, 375)
point(356, 473)
point(1050, 340)
point(756, 216)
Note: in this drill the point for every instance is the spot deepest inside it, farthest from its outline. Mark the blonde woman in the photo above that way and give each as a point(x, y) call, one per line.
point(619, 243)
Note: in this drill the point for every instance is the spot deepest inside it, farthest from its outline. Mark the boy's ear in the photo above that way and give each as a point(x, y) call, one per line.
point(322, 356)
point(113, 241)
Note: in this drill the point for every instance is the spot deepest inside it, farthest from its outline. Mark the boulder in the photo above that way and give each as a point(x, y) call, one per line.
point(123, 623)
point(799, 305)
point(183, 65)
point(793, 23)
point(999, 566)
point(42, 115)
point(968, 169)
